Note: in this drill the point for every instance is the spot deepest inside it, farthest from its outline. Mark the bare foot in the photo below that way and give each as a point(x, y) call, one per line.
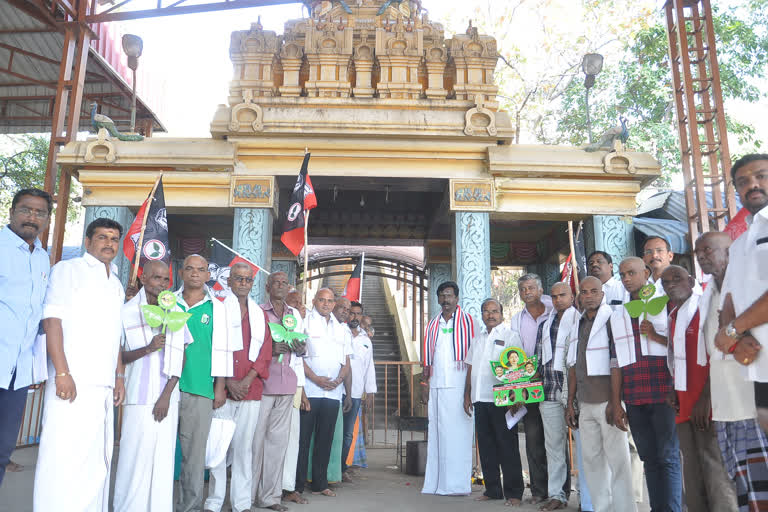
point(483, 497)
point(512, 502)
point(12, 467)
point(327, 492)
point(278, 507)
point(535, 499)
point(345, 477)
point(295, 498)
point(553, 504)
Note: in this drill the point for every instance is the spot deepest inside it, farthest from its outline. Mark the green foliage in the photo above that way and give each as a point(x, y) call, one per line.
point(639, 87)
point(23, 160)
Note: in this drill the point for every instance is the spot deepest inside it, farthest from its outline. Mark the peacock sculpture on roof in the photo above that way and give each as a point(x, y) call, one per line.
point(99, 121)
point(605, 143)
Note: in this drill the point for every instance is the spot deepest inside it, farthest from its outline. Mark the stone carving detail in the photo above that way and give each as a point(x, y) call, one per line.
point(618, 153)
point(253, 53)
point(95, 150)
point(437, 273)
point(473, 260)
point(480, 119)
point(399, 50)
point(613, 234)
point(252, 237)
point(475, 57)
point(257, 124)
point(120, 214)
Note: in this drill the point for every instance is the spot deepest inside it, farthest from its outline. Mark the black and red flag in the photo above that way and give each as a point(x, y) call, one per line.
point(302, 200)
point(220, 264)
point(150, 228)
point(352, 289)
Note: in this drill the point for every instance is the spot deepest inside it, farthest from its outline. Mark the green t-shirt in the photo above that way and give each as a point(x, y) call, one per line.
point(196, 376)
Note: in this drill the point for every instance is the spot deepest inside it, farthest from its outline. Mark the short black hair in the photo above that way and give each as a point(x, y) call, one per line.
point(34, 192)
point(603, 254)
point(656, 237)
point(355, 304)
point(102, 222)
point(448, 284)
point(741, 162)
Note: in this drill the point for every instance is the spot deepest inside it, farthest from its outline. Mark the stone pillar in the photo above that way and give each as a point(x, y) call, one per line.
point(548, 272)
point(287, 266)
point(122, 215)
point(613, 234)
point(252, 237)
point(437, 273)
point(472, 256)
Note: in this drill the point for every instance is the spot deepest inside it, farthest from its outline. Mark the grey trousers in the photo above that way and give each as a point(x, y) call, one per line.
point(195, 414)
point(269, 446)
point(708, 488)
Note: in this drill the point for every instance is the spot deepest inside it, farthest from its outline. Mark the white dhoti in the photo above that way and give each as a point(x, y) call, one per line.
point(246, 415)
point(449, 445)
point(292, 452)
point(75, 455)
point(144, 480)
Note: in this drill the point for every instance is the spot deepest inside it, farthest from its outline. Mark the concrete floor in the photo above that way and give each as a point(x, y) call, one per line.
point(380, 487)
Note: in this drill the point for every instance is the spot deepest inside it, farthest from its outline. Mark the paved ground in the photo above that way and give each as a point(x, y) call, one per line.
point(380, 487)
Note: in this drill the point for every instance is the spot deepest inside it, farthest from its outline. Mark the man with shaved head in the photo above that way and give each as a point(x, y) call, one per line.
point(707, 485)
point(641, 352)
point(551, 342)
point(732, 396)
point(202, 384)
point(326, 364)
point(153, 364)
point(594, 379)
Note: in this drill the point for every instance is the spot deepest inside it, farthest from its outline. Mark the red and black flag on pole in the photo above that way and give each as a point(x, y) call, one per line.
point(220, 264)
point(302, 200)
point(575, 268)
point(352, 289)
point(148, 233)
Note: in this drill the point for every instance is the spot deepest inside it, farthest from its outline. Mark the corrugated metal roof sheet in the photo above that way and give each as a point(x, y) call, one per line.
point(670, 204)
point(675, 232)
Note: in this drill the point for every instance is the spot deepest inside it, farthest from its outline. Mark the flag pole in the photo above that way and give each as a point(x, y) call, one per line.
point(140, 246)
point(574, 264)
point(238, 254)
point(306, 252)
point(362, 271)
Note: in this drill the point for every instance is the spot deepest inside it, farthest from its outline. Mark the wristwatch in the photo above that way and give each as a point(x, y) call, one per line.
point(731, 332)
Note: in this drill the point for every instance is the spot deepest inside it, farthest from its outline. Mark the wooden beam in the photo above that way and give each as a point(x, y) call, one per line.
point(184, 9)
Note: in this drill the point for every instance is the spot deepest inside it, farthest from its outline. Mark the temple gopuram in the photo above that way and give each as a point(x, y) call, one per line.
point(408, 148)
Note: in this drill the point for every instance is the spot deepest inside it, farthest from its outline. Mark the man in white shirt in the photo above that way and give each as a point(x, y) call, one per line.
point(732, 395)
point(153, 361)
point(526, 323)
point(362, 376)
point(498, 445)
point(657, 256)
point(326, 364)
point(449, 448)
point(81, 318)
point(600, 265)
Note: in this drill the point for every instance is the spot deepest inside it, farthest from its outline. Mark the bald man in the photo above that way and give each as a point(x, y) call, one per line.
point(641, 352)
point(732, 397)
point(153, 364)
point(202, 383)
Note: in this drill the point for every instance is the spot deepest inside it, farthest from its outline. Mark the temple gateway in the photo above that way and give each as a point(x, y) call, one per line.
point(408, 147)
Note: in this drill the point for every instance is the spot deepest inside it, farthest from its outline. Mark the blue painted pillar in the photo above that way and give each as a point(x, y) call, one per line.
point(472, 257)
point(613, 234)
point(120, 214)
point(548, 272)
point(252, 237)
point(437, 273)
point(287, 266)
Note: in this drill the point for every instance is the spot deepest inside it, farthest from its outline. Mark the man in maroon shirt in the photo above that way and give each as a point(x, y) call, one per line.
point(244, 394)
point(273, 428)
point(707, 485)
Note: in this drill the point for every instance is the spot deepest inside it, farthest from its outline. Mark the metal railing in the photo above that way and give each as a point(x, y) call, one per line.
point(29, 432)
point(378, 432)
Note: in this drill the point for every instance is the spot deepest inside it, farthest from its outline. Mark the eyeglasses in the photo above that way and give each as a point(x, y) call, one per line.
point(23, 210)
point(651, 252)
point(238, 279)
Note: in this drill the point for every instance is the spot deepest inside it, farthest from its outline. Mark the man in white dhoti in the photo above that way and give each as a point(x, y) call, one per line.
point(153, 364)
point(81, 318)
point(244, 392)
point(449, 448)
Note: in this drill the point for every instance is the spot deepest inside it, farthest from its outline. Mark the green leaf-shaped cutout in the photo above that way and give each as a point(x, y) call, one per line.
point(153, 315)
point(177, 319)
point(635, 308)
point(299, 336)
point(656, 305)
point(279, 333)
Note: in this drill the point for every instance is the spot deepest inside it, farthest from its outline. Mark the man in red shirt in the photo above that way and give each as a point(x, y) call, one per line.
point(244, 390)
point(707, 485)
